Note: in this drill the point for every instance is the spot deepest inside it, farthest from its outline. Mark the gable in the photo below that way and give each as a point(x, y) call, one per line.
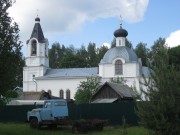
point(106, 92)
point(114, 91)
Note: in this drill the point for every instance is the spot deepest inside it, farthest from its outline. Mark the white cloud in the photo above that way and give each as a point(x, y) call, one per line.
point(58, 16)
point(106, 45)
point(174, 39)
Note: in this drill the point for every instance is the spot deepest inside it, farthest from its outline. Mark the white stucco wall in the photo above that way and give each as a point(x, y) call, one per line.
point(55, 85)
point(129, 70)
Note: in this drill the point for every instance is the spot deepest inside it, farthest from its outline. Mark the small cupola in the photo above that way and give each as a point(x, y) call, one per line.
point(120, 32)
point(120, 35)
point(37, 19)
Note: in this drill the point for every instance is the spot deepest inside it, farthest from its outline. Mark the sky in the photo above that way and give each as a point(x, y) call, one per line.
point(78, 22)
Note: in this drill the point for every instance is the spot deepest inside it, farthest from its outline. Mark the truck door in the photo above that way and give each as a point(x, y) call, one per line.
point(60, 110)
point(46, 112)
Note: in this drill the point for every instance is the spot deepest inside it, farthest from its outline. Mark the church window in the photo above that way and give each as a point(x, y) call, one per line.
point(118, 67)
point(33, 48)
point(61, 94)
point(68, 94)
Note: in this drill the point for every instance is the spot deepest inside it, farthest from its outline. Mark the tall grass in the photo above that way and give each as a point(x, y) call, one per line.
point(23, 129)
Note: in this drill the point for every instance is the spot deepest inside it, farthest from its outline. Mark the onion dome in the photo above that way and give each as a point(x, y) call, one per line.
point(120, 32)
point(37, 19)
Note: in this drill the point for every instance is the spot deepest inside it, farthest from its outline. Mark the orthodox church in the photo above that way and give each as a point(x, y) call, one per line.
point(118, 62)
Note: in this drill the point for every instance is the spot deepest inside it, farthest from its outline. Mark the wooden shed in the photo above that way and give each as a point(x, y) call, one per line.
point(113, 92)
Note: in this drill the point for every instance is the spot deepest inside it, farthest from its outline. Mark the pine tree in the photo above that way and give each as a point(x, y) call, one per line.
point(10, 52)
point(161, 110)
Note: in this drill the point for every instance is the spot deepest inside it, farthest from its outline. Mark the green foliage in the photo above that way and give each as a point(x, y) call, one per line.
point(55, 55)
point(128, 43)
point(70, 57)
point(161, 111)
point(113, 43)
point(92, 57)
point(86, 89)
point(158, 45)
point(101, 52)
point(142, 52)
point(118, 80)
point(174, 57)
point(11, 62)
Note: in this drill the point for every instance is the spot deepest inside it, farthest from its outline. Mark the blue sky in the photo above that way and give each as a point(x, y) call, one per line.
point(79, 22)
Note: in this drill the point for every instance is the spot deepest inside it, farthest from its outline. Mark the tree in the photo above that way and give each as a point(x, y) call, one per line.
point(86, 89)
point(128, 43)
point(158, 45)
point(142, 52)
point(102, 50)
point(10, 52)
point(92, 57)
point(83, 55)
point(161, 111)
point(174, 57)
point(113, 43)
point(19, 77)
point(55, 55)
point(118, 80)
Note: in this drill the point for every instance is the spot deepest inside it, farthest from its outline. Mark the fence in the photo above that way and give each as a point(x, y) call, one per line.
point(113, 112)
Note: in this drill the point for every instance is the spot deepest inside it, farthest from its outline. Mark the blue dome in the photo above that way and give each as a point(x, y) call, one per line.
point(123, 52)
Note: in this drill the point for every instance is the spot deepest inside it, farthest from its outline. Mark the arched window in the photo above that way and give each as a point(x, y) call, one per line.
point(61, 94)
point(118, 67)
point(33, 48)
point(49, 91)
point(68, 94)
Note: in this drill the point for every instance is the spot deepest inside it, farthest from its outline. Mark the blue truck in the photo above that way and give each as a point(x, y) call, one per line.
point(53, 113)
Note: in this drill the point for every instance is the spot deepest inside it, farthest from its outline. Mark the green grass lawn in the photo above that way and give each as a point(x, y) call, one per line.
point(23, 129)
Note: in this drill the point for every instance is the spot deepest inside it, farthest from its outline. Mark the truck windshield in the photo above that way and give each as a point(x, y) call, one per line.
point(60, 103)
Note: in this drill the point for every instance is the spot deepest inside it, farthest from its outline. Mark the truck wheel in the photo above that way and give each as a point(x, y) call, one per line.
point(34, 123)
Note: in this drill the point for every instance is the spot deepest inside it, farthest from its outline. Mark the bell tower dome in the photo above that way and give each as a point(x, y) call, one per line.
point(37, 47)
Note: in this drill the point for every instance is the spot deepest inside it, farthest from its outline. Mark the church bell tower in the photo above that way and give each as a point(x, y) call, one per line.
point(36, 60)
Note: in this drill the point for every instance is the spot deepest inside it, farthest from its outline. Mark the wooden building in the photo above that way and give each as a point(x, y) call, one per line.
point(113, 92)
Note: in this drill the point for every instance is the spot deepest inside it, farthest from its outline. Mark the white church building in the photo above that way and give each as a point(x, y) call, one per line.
point(119, 61)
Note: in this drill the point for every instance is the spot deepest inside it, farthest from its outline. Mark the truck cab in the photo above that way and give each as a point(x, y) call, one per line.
point(53, 113)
